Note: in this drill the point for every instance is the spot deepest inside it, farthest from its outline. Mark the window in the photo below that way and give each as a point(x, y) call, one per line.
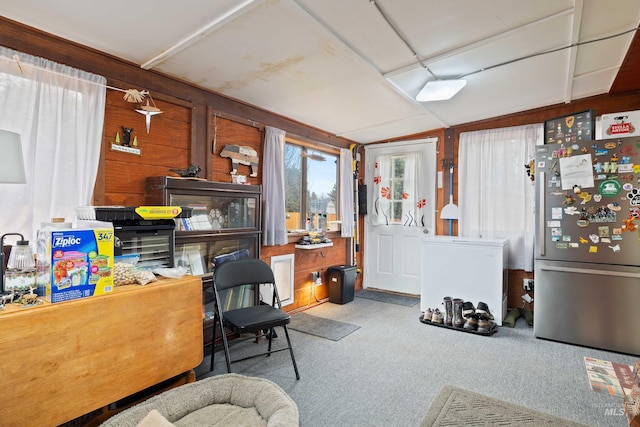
point(397, 192)
point(311, 187)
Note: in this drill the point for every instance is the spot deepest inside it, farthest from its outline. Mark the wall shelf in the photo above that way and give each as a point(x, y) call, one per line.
point(314, 246)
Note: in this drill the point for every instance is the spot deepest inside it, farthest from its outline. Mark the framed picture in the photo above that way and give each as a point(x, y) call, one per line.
point(191, 259)
point(569, 129)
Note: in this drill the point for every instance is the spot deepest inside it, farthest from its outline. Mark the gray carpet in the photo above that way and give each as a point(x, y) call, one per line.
point(386, 373)
point(324, 328)
point(454, 406)
point(388, 297)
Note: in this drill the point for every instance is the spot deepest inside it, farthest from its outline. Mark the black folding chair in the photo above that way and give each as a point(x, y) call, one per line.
point(239, 307)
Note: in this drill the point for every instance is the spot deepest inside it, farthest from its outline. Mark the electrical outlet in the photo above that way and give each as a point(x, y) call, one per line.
point(527, 284)
point(315, 275)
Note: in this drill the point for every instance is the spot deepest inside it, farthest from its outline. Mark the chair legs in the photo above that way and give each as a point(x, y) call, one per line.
point(293, 359)
point(225, 345)
point(268, 353)
point(213, 342)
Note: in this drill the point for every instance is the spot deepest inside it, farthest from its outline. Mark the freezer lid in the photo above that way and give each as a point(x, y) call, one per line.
point(470, 241)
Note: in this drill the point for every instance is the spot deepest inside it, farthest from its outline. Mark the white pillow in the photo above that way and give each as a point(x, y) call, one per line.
point(154, 419)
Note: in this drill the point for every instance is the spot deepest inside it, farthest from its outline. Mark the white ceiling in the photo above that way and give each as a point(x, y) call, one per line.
point(339, 66)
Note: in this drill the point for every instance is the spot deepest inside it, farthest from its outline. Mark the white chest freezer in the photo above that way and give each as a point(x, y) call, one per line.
point(472, 269)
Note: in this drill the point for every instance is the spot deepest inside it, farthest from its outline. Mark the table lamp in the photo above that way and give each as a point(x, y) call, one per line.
point(11, 172)
point(11, 160)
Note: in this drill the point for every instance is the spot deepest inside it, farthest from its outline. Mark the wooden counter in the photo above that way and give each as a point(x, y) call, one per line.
point(61, 361)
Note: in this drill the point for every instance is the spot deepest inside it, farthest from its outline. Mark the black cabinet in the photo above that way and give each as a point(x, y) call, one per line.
point(225, 223)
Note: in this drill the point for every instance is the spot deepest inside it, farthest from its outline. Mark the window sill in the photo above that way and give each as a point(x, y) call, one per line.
point(314, 246)
point(294, 237)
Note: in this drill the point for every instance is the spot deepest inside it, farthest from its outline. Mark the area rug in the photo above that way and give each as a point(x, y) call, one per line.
point(321, 327)
point(454, 406)
point(388, 297)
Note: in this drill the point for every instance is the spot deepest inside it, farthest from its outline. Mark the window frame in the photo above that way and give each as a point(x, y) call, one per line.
point(306, 146)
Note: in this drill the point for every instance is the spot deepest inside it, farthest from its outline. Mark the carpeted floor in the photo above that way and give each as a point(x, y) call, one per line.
point(324, 328)
point(386, 373)
point(455, 406)
point(388, 297)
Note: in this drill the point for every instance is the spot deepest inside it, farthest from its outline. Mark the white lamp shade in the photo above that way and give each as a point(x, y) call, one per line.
point(11, 160)
point(440, 90)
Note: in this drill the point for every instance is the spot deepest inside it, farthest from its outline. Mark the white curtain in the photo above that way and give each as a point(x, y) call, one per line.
point(413, 201)
point(59, 113)
point(274, 220)
point(346, 193)
point(495, 194)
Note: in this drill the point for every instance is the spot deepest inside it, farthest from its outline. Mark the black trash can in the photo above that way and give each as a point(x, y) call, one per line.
point(342, 283)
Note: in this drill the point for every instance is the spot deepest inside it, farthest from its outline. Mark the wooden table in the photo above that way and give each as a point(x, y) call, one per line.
point(61, 361)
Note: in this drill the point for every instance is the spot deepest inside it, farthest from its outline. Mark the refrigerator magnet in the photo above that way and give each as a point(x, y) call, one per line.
point(603, 231)
point(634, 197)
point(609, 188)
point(571, 210)
point(629, 224)
point(585, 196)
point(593, 249)
point(615, 248)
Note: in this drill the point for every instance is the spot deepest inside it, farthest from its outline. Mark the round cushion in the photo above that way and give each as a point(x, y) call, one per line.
point(221, 400)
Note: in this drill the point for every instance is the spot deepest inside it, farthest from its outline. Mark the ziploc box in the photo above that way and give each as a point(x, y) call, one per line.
point(81, 263)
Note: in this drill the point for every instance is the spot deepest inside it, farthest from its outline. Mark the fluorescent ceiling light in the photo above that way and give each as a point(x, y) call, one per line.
point(440, 90)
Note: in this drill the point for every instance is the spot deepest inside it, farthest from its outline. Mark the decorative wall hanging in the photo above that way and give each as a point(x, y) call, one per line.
point(241, 155)
point(148, 110)
point(126, 145)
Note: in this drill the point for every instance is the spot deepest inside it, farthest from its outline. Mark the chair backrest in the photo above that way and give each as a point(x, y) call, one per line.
point(242, 272)
point(248, 276)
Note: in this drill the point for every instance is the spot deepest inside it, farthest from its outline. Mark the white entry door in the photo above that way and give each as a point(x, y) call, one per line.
point(392, 252)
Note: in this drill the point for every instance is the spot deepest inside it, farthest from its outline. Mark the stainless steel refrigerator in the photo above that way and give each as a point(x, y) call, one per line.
point(587, 251)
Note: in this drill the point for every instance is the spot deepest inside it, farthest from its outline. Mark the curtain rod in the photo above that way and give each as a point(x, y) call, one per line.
point(131, 95)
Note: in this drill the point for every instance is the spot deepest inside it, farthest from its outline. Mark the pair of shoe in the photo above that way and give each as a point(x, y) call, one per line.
point(483, 311)
point(433, 315)
point(468, 310)
point(477, 319)
point(478, 324)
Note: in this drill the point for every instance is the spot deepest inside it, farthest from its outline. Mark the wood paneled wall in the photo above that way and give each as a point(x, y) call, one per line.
point(307, 294)
point(229, 132)
point(121, 180)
